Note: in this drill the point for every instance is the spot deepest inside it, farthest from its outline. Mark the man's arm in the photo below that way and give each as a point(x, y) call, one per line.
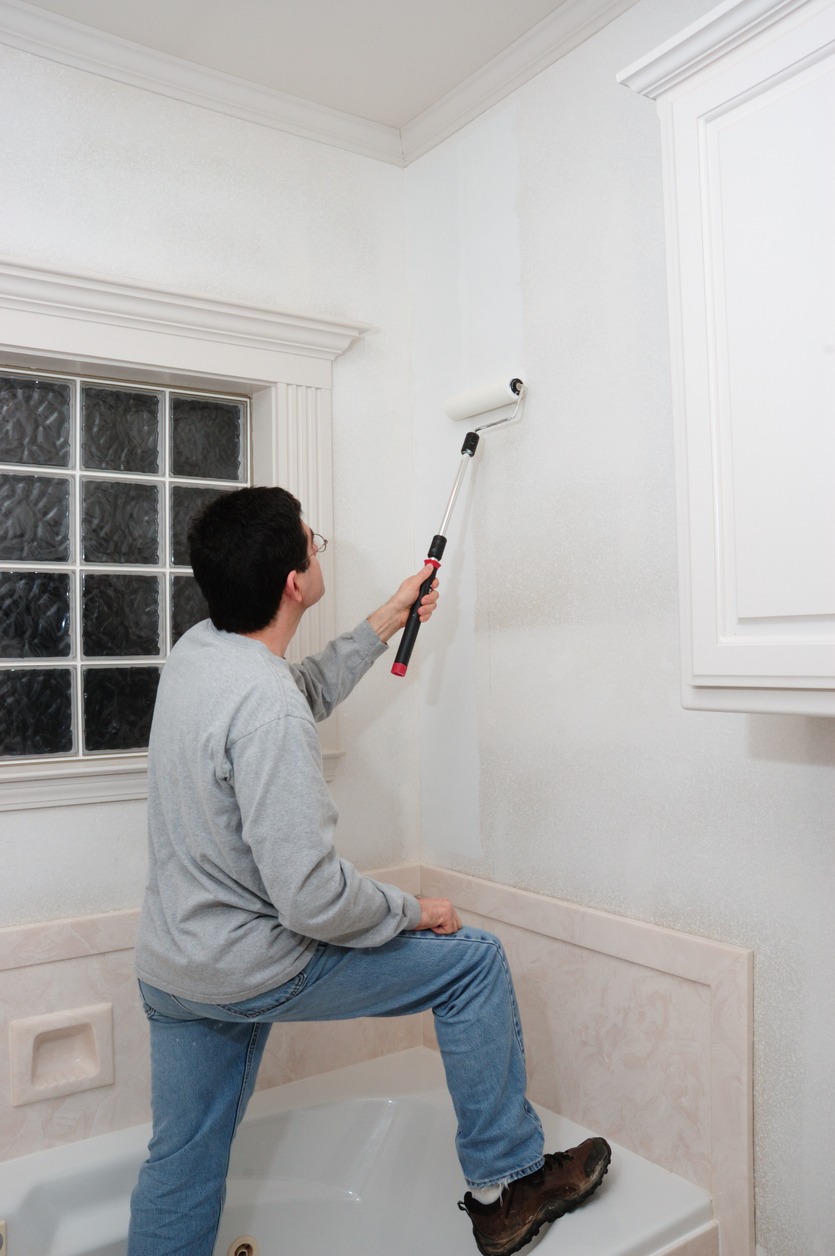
point(288, 823)
point(392, 615)
point(327, 678)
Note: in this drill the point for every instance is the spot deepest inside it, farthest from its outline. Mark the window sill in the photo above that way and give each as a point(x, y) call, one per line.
point(67, 784)
point(111, 779)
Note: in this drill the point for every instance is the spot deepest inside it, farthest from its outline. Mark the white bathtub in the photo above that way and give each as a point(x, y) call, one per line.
point(360, 1160)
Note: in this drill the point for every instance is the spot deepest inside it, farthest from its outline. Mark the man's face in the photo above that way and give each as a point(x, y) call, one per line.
point(311, 582)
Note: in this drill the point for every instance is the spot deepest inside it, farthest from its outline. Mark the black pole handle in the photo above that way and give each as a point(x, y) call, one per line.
point(410, 632)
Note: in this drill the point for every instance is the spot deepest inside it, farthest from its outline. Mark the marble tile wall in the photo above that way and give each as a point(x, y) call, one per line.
point(68, 972)
point(70, 967)
point(639, 1032)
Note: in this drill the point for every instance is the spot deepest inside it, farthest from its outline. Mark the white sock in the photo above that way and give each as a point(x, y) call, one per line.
point(490, 1193)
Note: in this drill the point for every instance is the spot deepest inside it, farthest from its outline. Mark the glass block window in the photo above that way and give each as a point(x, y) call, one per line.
point(99, 482)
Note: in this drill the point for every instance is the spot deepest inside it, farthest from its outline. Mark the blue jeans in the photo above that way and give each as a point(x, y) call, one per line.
point(205, 1057)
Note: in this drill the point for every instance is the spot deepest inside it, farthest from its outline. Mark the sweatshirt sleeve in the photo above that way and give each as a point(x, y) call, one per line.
point(288, 822)
point(328, 677)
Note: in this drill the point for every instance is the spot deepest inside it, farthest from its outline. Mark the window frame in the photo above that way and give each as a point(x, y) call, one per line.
point(91, 325)
point(164, 570)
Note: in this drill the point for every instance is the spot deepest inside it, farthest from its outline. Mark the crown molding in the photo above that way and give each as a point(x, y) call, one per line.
point(551, 39)
point(55, 38)
point(40, 33)
point(94, 298)
point(715, 35)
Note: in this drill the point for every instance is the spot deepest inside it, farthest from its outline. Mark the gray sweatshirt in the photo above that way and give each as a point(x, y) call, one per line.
point(243, 876)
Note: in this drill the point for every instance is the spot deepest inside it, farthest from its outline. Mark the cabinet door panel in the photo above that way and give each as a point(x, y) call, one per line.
point(749, 164)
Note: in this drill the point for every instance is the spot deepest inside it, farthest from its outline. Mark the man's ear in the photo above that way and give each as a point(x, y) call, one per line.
point(292, 591)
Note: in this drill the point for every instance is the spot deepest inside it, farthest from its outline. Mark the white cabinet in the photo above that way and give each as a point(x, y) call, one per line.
point(747, 104)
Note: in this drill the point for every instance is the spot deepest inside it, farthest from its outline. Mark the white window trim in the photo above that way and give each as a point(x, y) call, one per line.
point(79, 323)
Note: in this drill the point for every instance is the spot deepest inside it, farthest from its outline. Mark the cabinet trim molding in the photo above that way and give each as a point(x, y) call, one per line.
point(746, 98)
point(718, 33)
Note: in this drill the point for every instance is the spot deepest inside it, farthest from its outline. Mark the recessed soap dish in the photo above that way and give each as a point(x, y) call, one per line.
point(61, 1053)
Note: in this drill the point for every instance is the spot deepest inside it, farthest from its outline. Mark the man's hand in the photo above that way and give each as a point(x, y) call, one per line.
point(391, 617)
point(439, 915)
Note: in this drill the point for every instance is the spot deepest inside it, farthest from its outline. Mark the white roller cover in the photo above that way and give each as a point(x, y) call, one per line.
point(481, 400)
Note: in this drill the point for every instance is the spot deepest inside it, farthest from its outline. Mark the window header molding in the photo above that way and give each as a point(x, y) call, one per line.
point(96, 299)
point(77, 322)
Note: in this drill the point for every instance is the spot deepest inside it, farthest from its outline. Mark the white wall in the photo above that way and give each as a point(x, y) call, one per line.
point(105, 178)
point(536, 239)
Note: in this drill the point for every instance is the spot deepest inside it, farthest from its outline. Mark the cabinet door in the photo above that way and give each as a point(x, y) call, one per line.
point(750, 184)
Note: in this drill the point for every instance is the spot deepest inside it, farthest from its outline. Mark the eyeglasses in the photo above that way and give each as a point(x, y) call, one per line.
point(319, 543)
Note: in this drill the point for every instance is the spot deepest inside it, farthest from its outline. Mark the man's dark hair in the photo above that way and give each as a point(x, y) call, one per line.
point(243, 546)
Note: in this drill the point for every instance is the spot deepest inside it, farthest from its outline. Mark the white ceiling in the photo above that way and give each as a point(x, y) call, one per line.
point(386, 61)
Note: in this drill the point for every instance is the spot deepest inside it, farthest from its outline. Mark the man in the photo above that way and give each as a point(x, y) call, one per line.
point(250, 916)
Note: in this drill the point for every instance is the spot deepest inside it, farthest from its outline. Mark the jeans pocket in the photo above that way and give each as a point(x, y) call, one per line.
point(261, 1006)
point(150, 1012)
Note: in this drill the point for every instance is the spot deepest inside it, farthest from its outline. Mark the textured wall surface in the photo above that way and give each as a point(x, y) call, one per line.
point(592, 783)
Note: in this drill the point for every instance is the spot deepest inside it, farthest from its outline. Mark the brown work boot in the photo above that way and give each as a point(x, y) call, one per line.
point(565, 1181)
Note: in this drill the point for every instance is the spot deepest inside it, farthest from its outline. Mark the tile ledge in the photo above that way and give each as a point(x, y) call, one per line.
point(43, 942)
point(685, 954)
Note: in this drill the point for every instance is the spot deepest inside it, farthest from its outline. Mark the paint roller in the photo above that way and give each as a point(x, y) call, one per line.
point(466, 405)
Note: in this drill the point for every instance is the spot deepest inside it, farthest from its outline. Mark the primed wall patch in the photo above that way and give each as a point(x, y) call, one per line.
point(61, 1053)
